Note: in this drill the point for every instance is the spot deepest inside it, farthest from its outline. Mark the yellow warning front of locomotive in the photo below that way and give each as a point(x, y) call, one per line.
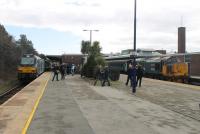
point(27, 69)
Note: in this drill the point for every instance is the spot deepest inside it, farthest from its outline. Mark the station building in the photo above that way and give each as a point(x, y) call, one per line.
point(75, 59)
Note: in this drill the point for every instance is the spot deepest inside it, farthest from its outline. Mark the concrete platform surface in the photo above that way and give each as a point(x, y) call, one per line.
point(15, 113)
point(75, 106)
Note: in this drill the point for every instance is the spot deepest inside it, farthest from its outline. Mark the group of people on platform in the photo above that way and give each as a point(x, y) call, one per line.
point(135, 74)
point(63, 69)
point(102, 75)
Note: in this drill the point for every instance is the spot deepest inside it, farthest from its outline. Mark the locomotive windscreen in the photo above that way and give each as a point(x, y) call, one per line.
point(27, 60)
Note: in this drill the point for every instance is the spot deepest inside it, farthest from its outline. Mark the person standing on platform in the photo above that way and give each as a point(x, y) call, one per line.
point(68, 69)
point(98, 74)
point(140, 72)
point(55, 71)
point(128, 74)
point(106, 76)
point(62, 71)
point(72, 69)
point(133, 72)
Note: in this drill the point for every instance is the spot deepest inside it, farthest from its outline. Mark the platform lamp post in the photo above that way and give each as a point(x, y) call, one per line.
point(91, 34)
point(85, 60)
point(134, 41)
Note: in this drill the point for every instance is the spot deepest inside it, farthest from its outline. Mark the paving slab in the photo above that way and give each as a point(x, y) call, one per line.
point(58, 112)
point(15, 112)
point(75, 106)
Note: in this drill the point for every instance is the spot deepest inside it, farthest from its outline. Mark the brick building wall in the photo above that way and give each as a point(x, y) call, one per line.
point(195, 65)
point(194, 60)
point(72, 59)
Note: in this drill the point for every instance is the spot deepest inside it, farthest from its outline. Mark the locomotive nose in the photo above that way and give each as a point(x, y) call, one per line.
point(27, 70)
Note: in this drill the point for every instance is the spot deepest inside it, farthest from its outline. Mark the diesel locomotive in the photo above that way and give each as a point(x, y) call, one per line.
point(158, 67)
point(166, 68)
point(31, 66)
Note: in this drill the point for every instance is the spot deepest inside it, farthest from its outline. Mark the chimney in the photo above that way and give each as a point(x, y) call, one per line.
point(181, 40)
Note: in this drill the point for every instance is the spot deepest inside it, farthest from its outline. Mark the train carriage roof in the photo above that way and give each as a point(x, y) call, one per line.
point(31, 55)
point(158, 59)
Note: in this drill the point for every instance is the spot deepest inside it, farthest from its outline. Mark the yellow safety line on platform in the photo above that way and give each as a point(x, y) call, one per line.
point(34, 108)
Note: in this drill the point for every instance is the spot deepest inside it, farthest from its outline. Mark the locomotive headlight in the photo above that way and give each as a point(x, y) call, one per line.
point(33, 70)
point(19, 70)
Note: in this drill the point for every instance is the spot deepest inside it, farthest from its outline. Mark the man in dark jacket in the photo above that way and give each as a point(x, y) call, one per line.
point(139, 75)
point(62, 71)
point(98, 74)
point(106, 76)
point(132, 74)
point(55, 71)
point(128, 74)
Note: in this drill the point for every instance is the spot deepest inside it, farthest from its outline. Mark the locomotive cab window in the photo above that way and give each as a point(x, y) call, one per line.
point(27, 61)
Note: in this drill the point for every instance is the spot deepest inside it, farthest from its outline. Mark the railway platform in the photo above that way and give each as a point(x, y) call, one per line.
point(75, 106)
point(15, 112)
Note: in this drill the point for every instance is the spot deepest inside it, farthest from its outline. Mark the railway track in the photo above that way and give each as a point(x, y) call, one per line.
point(10, 92)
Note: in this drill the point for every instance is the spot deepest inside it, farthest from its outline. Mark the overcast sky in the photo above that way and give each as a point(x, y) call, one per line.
point(56, 26)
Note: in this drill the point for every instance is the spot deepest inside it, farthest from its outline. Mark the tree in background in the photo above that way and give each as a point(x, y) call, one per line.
point(25, 45)
point(94, 57)
point(100, 61)
point(11, 52)
point(85, 47)
point(95, 49)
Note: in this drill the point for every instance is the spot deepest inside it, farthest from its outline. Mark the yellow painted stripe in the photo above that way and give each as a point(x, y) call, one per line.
point(34, 108)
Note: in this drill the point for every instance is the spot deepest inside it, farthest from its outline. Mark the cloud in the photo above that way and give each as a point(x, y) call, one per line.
point(157, 20)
